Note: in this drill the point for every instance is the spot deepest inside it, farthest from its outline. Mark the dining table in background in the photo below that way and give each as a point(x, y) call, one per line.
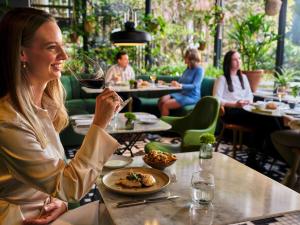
point(125, 89)
point(241, 194)
point(145, 123)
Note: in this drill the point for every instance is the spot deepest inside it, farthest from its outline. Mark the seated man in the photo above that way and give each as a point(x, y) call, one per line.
point(285, 141)
point(121, 71)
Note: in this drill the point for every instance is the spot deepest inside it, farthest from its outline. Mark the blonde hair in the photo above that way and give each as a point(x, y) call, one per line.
point(193, 57)
point(17, 29)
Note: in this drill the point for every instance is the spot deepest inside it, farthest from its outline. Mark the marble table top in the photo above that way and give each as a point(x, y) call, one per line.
point(146, 122)
point(241, 194)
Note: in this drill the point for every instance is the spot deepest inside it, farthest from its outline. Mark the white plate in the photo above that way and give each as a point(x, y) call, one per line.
point(148, 120)
point(82, 117)
point(292, 112)
point(109, 181)
point(117, 161)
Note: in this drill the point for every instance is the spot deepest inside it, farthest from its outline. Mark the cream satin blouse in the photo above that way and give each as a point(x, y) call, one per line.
point(29, 174)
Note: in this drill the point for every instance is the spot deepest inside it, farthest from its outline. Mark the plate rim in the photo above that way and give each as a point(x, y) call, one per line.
point(128, 161)
point(136, 193)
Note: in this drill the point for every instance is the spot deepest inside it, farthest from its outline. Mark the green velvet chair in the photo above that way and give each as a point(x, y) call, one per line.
point(77, 102)
point(202, 119)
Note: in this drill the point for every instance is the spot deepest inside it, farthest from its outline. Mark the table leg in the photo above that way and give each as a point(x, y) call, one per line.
point(128, 141)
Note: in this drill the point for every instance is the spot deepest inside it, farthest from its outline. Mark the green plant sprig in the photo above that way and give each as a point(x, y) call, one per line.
point(207, 138)
point(130, 116)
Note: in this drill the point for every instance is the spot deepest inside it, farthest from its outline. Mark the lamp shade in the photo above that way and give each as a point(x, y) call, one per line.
point(129, 37)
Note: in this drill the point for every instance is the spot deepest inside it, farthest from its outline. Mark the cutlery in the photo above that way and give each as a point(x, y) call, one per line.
point(145, 201)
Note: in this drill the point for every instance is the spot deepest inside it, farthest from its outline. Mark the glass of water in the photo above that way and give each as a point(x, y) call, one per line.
point(203, 187)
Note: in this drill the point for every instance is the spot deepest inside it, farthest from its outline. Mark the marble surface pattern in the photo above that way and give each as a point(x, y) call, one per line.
point(118, 126)
point(241, 194)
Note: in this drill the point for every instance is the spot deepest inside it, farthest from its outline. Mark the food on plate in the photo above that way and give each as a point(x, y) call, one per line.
point(271, 105)
point(137, 180)
point(144, 83)
point(161, 82)
point(158, 157)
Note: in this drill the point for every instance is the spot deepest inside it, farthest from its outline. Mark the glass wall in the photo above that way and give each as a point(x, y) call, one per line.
point(292, 36)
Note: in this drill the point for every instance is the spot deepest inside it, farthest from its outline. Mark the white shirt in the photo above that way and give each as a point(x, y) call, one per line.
point(225, 96)
point(29, 173)
point(115, 70)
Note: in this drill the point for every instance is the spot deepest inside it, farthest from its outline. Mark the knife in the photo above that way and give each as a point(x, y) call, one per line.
point(145, 201)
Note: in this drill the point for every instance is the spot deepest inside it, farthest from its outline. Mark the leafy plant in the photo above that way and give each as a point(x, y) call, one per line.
point(207, 138)
point(295, 91)
point(212, 71)
point(130, 116)
point(253, 37)
point(283, 76)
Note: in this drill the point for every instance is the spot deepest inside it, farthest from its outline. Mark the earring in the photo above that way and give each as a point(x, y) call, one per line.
point(23, 64)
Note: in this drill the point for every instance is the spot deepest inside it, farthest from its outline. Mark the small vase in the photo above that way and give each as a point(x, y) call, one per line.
point(205, 151)
point(205, 157)
point(129, 125)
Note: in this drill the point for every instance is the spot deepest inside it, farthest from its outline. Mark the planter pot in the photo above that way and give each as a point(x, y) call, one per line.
point(129, 125)
point(89, 27)
point(272, 7)
point(74, 37)
point(202, 46)
point(254, 78)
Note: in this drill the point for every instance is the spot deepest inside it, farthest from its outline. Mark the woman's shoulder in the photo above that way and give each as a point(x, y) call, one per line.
point(7, 112)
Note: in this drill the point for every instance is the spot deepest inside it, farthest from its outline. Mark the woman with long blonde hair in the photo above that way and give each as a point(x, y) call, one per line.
point(36, 182)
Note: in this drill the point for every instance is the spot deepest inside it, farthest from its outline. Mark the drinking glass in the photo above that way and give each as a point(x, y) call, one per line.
point(86, 70)
point(203, 187)
point(281, 92)
point(153, 78)
point(201, 215)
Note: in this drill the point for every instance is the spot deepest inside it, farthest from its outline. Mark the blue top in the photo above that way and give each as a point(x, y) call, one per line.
point(191, 86)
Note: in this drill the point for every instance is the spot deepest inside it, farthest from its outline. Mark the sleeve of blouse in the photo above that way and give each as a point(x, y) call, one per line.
point(30, 164)
point(249, 94)
point(218, 90)
point(197, 78)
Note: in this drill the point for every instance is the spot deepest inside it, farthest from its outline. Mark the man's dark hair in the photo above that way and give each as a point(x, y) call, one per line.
point(120, 54)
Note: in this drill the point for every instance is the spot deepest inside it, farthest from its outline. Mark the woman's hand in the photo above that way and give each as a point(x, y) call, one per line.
point(242, 103)
point(50, 213)
point(287, 119)
point(174, 83)
point(106, 105)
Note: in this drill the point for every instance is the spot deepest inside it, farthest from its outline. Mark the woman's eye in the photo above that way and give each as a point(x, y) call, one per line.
point(51, 47)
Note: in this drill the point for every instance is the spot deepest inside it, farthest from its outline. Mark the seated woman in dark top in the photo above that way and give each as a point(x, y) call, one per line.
point(190, 83)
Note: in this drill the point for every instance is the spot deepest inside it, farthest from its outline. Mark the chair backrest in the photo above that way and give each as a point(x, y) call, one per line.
point(204, 115)
point(71, 86)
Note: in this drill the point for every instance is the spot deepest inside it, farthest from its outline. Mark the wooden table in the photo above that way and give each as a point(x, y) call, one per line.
point(241, 194)
point(128, 137)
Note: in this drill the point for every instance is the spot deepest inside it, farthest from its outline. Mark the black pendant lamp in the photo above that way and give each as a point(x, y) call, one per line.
point(130, 36)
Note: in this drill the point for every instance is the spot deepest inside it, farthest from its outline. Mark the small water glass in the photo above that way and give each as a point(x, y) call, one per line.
point(203, 187)
point(201, 214)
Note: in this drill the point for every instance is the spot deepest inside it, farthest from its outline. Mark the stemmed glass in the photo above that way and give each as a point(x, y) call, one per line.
point(86, 70)
point(153, 78)
point(281, 92)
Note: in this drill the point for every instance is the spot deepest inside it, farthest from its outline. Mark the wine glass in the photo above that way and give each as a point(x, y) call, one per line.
point(153, 78)
point(86, 70)
point(281, 92)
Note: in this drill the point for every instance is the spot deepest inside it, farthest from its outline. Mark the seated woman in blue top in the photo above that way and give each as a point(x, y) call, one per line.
point(190, 82)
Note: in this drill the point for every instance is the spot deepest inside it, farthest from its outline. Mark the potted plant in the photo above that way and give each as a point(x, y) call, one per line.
point(284, 76)
point(132, 84)
point(294, 92)
point(253, 37)
point(206, 145)
point(131, 117)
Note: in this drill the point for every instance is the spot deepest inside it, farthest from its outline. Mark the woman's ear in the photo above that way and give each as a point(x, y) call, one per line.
point(23, 56)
